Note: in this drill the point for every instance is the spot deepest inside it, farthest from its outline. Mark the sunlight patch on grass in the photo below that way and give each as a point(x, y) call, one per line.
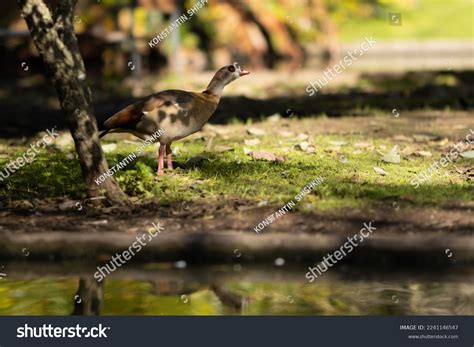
point(348, 172)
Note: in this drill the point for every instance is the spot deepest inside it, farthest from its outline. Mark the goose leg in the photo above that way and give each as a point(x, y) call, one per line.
point(159, 172)
point(169, 161)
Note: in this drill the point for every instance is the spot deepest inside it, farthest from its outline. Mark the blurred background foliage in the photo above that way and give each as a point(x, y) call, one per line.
point(259, 34)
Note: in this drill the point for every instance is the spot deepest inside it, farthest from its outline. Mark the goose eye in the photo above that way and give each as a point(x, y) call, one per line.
point(231, 68)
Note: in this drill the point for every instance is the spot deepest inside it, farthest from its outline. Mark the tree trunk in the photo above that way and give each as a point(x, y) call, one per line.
point(56, 41)
point(228, 298)
point(329, 30)
point(89, 297)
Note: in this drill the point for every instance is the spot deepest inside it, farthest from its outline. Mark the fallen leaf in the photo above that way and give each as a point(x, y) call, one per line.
point(402, 138)
point(67, 205)
point(311, 149)
point(392, 156)
point(466, 171)
point(468, 154)
point(274, 117)
point(219, 130)
point(256, 132)
point(407, 151)
point(252, 142)
point(363, 144)
point(380, 171)
point(264, 155)
point(286, 133)
point(462, 170)
point(99, 222)
point(223, 148)
point(338, 143)
point(302, 146)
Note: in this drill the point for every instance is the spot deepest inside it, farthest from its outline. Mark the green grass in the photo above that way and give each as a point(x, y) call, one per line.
point(224, 175)
point(49, 175)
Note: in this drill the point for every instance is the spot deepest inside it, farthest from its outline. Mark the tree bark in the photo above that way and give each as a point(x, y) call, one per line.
point(52, 30)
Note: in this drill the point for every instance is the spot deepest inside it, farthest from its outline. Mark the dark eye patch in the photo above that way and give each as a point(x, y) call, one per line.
point(231, 68)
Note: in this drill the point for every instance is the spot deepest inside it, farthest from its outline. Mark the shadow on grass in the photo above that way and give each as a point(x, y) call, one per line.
point(381, 91)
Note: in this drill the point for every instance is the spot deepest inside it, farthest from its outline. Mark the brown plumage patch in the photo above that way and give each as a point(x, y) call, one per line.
point(131, 115)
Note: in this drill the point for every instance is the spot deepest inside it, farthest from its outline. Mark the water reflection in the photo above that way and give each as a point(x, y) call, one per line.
point(89, 297)
point(156, 289)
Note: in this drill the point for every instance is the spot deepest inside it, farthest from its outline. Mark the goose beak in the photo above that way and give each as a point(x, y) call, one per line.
point(243, 72)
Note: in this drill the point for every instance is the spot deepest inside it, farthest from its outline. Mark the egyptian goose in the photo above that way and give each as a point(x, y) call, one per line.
point(177, 112)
